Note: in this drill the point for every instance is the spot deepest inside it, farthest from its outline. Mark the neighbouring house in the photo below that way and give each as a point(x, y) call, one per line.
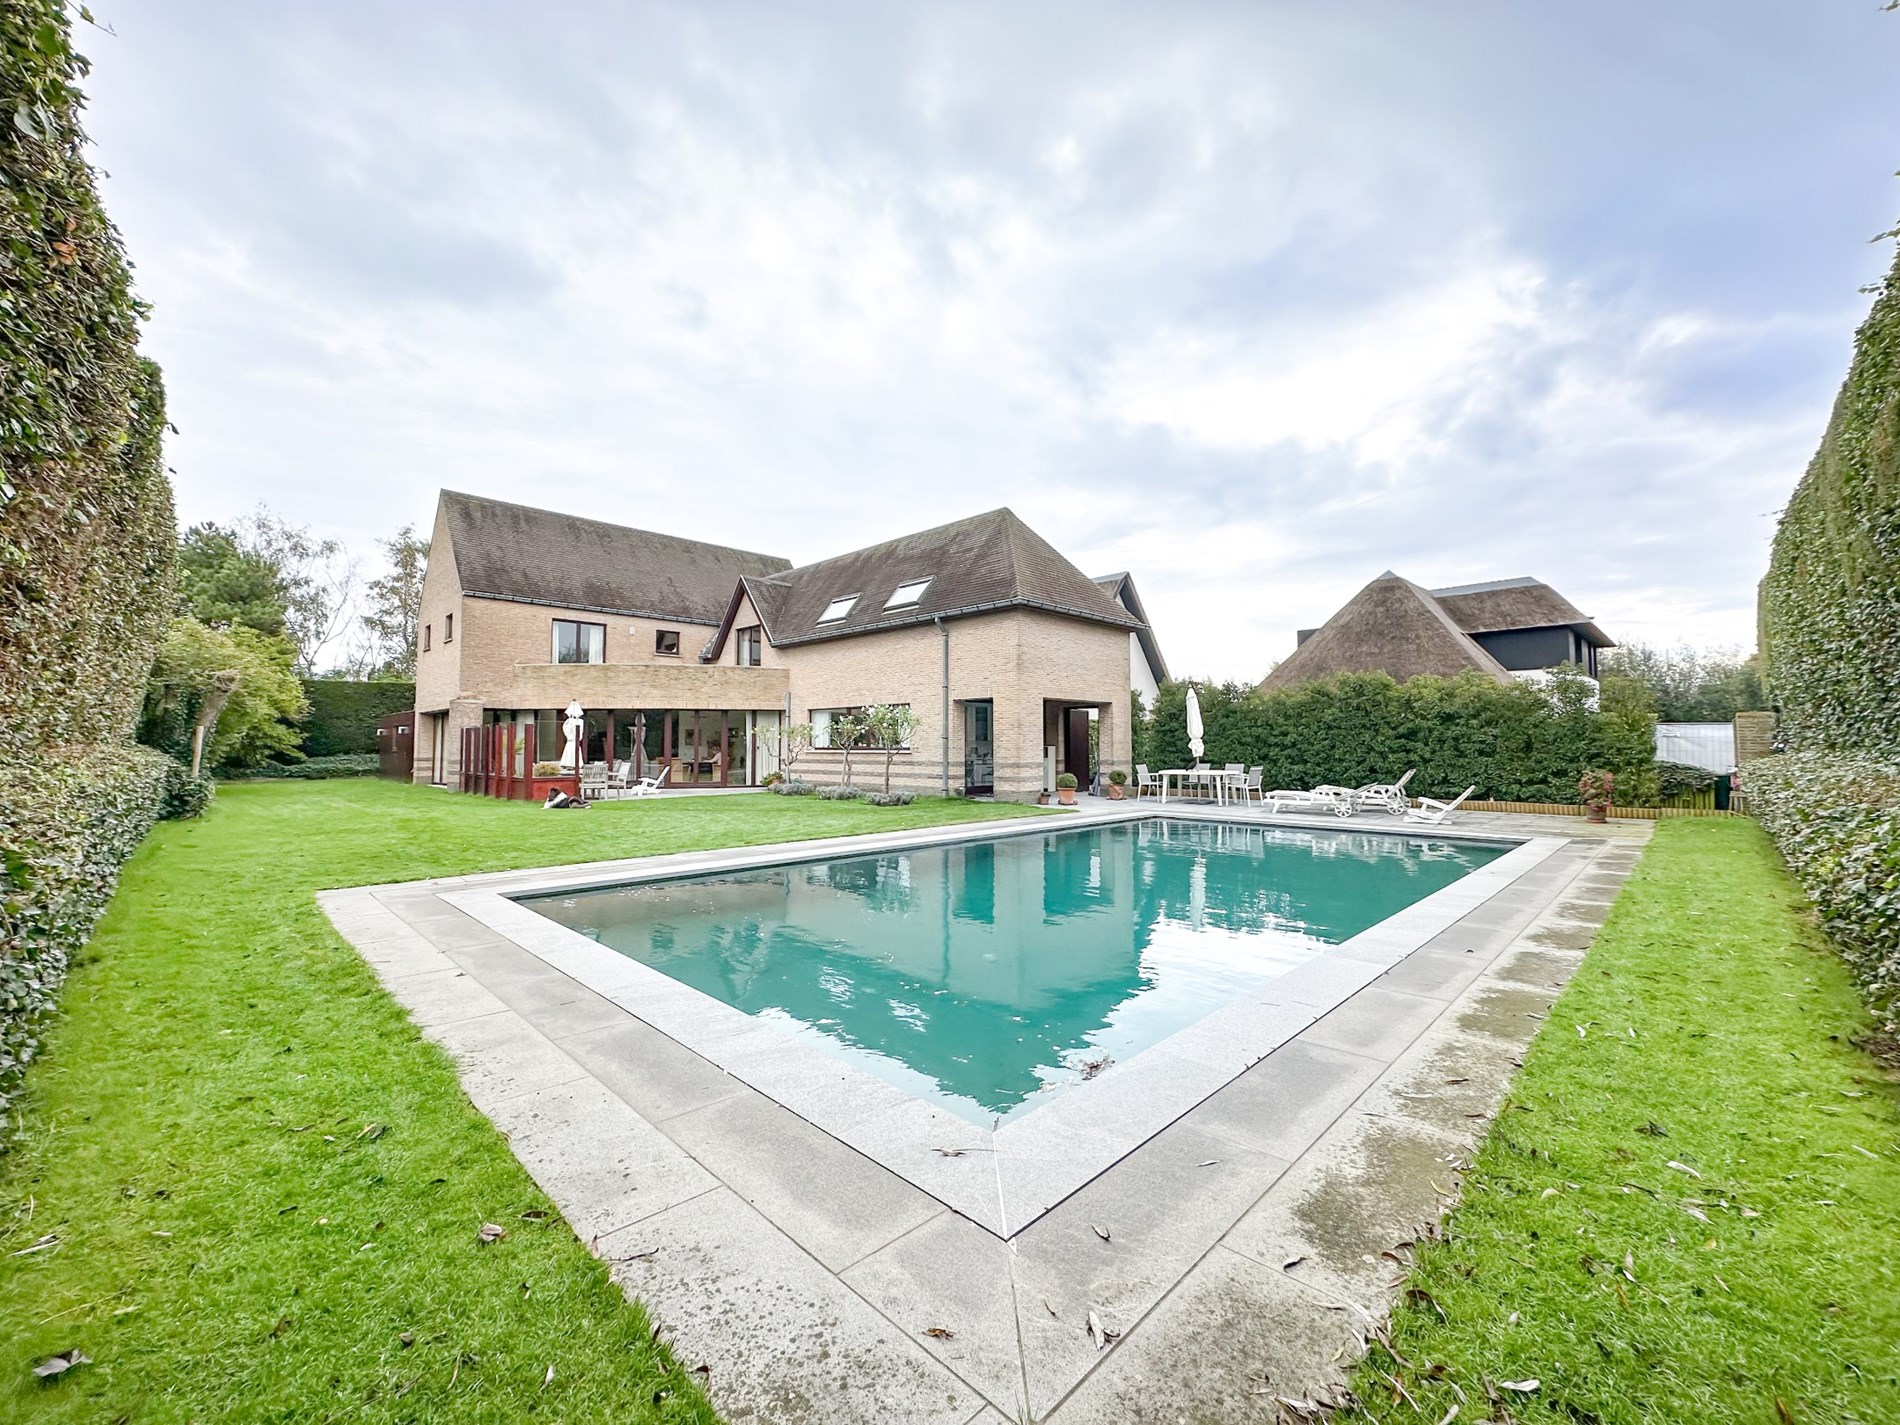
point(691, 657)
point(1147, 669)
point(1504, 629)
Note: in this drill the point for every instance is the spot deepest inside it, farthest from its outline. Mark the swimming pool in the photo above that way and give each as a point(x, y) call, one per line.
point(989, 977)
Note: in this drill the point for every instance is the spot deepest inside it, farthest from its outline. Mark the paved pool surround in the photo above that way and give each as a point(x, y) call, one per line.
point(782, 1192)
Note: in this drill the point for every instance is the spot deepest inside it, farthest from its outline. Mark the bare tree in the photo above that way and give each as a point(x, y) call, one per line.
point(395, 605)
point(316, 578)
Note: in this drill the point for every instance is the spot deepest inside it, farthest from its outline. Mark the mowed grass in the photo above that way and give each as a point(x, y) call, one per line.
point(247, 1188)
point(1690, 1210)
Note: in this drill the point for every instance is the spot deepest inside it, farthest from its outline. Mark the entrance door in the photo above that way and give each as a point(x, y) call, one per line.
point(979, 749)
point(1075, 746)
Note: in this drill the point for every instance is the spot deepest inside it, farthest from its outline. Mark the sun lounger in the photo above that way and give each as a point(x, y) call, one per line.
point(1433, 811)
point(1390, 795)
point(1320, 799)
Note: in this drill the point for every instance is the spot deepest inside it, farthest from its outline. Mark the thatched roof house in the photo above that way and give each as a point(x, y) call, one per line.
point(1502, 628)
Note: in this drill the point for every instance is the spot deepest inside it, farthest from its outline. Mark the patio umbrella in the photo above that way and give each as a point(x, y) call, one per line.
point(1196, 731)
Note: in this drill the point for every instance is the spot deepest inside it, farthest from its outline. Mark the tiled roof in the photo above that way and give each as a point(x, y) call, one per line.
point(1121, 588)
point(506, 551)
point(988, 561)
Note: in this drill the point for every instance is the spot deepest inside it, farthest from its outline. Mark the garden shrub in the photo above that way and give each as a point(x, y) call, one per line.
point(841, 794)
point(1679, 779)
point(1515, 741)
point(792, 787)
point(67, 824)
point(344, 713)
point(1836, 818)
point(890, 799)
point(184, 796)
point(316, 769)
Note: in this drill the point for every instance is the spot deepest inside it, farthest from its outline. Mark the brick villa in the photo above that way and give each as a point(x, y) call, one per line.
point(690, 657)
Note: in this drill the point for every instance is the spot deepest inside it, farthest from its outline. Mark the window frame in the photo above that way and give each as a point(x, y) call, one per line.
point(849, 602)
point(750, 640)
point(813, 716)
point(448, 628)
point(922, 586)
point(554, 642)
point(659, 637)
point(428, 637)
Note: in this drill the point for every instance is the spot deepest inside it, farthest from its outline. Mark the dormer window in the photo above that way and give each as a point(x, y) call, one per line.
point(907, 595)
point(838, 609)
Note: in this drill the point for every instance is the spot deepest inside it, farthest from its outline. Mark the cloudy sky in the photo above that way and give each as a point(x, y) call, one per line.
point(1254, 300)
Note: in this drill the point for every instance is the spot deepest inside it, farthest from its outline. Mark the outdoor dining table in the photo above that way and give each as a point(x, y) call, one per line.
point(1217, 780)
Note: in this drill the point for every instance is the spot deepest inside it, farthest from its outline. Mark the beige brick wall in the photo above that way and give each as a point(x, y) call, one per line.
point(438, 667)
point(1017, 659)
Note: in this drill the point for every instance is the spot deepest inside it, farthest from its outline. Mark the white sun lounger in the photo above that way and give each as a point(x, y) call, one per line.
point(1327, 799)
point(1430, 809)
point(1390, 795)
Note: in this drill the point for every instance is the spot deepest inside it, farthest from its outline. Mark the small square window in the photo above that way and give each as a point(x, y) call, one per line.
point(667, 641)
point(838, 609)
point(907, 595)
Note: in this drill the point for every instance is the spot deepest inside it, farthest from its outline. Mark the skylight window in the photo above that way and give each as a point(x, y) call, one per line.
point(838, 609)
point(907, 595)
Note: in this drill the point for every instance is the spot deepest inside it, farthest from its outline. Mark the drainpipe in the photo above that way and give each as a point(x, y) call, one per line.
point(944, 630)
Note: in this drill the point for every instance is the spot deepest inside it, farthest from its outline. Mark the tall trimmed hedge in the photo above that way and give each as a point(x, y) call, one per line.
point(1513, 742)
point(344, 712)
point(1830, 629)
point(87, 539)
point(1830, 604)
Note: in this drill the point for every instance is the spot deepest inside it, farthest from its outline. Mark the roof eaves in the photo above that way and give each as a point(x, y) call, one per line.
point(587, 608)
point(962, 611)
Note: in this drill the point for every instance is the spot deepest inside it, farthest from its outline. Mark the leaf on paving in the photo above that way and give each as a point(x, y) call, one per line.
point(1099, 1333)
point(952, 1152)
point(1100, 1231)
point(54, 1366)
point(645, 1256)
point(1290, 1263)
point(1684, 1168)
point(1524, 1387)
point(491, 1232)
point(939, 1333)
point(1207, 1162)
point(1050, 1309)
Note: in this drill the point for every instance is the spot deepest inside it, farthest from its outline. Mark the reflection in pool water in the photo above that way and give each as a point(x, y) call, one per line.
point(990, 975)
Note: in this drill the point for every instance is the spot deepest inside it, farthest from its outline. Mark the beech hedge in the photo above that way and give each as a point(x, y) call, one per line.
point(1836, 818)
point(67, 824)
point(344, 713)
point(1514, 742)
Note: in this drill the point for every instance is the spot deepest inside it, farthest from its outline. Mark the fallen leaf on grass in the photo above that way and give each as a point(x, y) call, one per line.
point(55, 1366)
point(491, 1232)
point(548, 1379)
point(372, 1131)
point(952, 1152)
point(408, 1339)
point(1654, 1129)
point(1523, 1386)
point(1684, 1168)
point(939, 1333)
point(533, 1214)
point(1449, 1416)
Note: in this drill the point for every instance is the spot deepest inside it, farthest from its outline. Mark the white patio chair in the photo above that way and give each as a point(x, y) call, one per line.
point(1232, 776)
point(1433, 811)
point(647, 786)
point(1250, 788)
point(619, 778)
point(1146, 781)
point(1390, 795)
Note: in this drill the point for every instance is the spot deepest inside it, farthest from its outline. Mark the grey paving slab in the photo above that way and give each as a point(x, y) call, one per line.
point(500, 1055)
point(1232, 1335)
point(786, 1341)
point(1435, 974)
point(976, 1302)
point(1376, 1023)
point(565, 1014)
point(604, 1164)
point(435, 997)
point(655, 1074)
point(1287, 1100)
point(834, 1202)
point(1164, 1207)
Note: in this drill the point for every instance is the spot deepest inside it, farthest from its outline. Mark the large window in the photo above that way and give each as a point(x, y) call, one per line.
point(822, 731)
point(576, 642)
point(751, 646)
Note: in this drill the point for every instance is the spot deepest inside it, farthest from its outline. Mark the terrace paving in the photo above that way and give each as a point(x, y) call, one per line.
point(1246, 1239)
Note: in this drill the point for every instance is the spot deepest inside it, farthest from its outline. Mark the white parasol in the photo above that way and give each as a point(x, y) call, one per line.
point(1196, 730)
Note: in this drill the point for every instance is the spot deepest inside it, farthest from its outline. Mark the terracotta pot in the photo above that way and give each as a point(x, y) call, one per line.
point(1066, 796)
point(1597, 812)
point(1115, 792)
point(1042, 799)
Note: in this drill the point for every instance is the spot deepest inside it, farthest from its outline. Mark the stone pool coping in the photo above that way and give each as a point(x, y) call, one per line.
point(1242, 1253)
point(1002, 1179)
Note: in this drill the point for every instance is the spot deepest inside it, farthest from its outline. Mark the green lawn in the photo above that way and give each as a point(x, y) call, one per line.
point(224, 1232)
point(1691, 1211)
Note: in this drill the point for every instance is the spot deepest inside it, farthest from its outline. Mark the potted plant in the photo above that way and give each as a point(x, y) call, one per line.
point(1042, 797)
point(1117, 782)
point(1596, 789)
point(1065, 789)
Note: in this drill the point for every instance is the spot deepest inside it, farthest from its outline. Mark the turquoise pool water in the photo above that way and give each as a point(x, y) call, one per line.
point(990, 975)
